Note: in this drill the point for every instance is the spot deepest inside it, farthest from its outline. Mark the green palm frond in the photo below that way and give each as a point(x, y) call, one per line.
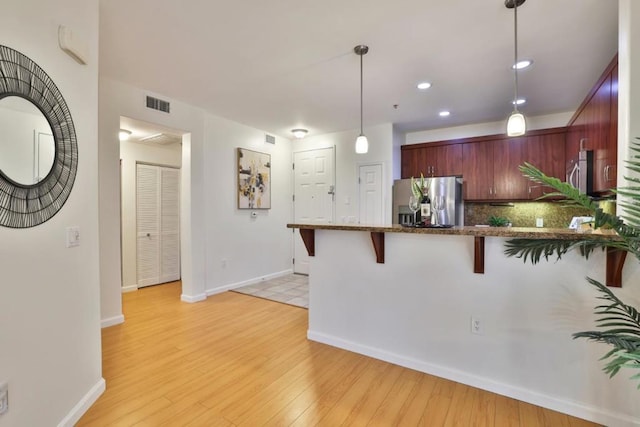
point(618, 323)
point(572, 194)
point(535, 249)
point(621, 330)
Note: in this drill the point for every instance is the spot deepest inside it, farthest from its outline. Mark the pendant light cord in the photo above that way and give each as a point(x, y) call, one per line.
point(361, 101)
point(515, 63)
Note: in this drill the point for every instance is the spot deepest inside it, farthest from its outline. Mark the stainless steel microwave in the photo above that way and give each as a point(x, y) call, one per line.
point(580, 171)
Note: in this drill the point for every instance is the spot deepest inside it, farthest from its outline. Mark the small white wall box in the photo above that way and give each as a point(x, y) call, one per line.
point(72, 45)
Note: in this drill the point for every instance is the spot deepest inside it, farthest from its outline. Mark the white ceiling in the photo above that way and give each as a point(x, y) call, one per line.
point(283, 64)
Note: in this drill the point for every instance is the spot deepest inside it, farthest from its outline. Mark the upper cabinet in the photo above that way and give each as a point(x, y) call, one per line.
point(489, 164)
point(594, 127)
point(434, 159)
point(491, 167)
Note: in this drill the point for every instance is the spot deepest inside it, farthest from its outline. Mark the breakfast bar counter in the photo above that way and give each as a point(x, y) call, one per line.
point(614, 258)
point(450, 303)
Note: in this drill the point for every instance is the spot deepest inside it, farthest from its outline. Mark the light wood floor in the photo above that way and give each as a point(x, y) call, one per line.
point(238, 360)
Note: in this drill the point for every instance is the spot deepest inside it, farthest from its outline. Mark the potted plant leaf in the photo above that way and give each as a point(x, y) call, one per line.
point(618, 323)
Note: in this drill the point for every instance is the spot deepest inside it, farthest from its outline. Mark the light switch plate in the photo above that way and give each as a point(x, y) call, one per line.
point(73, 236)
point(539, 222)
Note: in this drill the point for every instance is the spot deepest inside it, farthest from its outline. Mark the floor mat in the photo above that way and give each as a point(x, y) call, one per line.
point(292, 289)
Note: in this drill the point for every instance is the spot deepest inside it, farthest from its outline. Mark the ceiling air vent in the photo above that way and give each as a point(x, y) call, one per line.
point(162, 139)
point(158, 104)
point(269, 139)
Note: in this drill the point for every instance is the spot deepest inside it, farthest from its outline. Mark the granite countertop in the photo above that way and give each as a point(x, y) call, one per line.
point(510, 232)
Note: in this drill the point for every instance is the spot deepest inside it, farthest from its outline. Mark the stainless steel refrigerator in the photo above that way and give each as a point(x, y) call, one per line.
point(448, 186)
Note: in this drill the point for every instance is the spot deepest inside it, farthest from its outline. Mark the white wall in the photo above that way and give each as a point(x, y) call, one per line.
point(628, 86)
point(347, 162)
point(415, 310)
point(131, 153)
point(481, 129)
point(253, 248)
point(213, 228)
point(49, 294)
point(116, 100)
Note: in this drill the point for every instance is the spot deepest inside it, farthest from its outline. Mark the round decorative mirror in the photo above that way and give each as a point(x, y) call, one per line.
point(38, 146)
point(26, 141)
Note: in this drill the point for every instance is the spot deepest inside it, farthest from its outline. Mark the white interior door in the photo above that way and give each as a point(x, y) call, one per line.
point(148, 225)
point(44, 154)
point(170, 225)
point(370, 194)
point(158, 224)
point(314, 185)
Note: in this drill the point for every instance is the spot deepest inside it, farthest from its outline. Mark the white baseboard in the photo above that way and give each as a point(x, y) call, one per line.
point(84, 404)
point(193, 298)
point(554, 403)
point(130, 288)
point(225, 288)
point(115, 320)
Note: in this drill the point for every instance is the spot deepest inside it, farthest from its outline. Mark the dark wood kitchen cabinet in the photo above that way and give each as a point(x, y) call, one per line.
point(547, 153)
point(594, 126)
point(491, 166)
point(491, 170)
point(431, 159)
point(477, 170)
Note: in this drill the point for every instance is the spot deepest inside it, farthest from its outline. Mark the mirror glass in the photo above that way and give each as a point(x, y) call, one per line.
point(27, 146)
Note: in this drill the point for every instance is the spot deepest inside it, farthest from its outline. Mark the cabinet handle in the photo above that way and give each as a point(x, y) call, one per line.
point(606, 173)
point(490, 190)
point(582, 141)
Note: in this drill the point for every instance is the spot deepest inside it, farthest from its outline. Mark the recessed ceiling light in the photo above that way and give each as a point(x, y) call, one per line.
point(519, 101)
point(124, 134)
point(522, 64)
point(424, 85)
point(444, 113)
point(299, 133)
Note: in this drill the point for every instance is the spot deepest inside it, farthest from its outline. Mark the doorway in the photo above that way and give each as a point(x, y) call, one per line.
point(151, 159)
point(157, 224)
point(370, 194)
point(313, 196)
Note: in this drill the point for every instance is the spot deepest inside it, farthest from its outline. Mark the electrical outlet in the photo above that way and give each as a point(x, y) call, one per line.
point(4, 398)
point(539, 222)
point(476, 326)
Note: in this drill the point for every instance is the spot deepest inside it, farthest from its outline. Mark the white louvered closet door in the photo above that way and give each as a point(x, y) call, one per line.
point(170, 225)
point(158, 224)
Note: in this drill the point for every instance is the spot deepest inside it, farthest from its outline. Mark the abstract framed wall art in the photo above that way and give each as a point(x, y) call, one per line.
point(254, 179)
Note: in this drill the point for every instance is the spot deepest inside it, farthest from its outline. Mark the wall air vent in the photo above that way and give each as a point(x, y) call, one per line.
point(158, 104)
point(269, 139)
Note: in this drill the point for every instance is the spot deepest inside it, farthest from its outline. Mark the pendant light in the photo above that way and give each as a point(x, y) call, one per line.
point(516, 125)
point(362, 144)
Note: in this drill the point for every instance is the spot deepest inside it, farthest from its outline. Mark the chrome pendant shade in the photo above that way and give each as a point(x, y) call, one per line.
point(516, 124)
point(362, 144)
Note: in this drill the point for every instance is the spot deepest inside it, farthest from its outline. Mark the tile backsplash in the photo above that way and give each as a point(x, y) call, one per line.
point(523, 214)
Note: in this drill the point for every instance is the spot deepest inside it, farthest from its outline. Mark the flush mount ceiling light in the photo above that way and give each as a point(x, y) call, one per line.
point(444, 113)
point(299, 133)
point(124, 134)
point(362, 144)
point(519, 101)
point(424, 85)
point(522, 64)
point(516, 124)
